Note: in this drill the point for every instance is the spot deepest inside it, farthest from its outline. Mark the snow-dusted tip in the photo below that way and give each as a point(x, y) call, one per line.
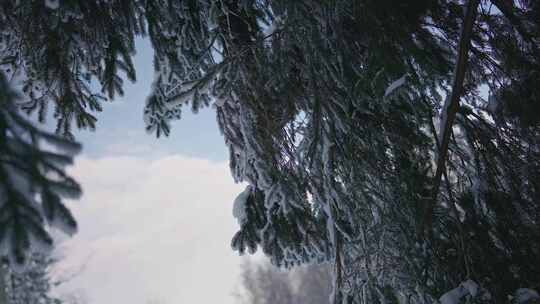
point(239, 206)
point(395, 85)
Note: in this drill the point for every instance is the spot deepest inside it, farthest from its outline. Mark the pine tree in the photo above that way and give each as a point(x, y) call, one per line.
point(359, 126)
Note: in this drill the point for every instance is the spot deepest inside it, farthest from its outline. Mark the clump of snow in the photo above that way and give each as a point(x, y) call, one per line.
point(471, 287)
point(52, 4)
point(395, 85)
point(468, 287)
point(443, 117)
point(239, 206)
point(453, 296)
point(276, 23)
point(183, 92)
point(493, 104)
point(524, 295)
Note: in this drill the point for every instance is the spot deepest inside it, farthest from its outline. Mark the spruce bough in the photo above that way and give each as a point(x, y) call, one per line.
point(329, 110)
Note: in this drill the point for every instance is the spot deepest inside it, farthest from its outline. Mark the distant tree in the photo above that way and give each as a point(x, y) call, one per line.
point(155, 301)
point(263, 283)
point(313, 283)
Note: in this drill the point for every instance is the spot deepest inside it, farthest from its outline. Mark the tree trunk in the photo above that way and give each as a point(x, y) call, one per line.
point(450, 108)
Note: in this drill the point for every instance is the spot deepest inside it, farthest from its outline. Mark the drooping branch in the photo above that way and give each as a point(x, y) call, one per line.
point(451, 107)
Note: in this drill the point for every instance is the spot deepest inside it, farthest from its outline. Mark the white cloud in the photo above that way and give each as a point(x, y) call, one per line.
point(152, 229)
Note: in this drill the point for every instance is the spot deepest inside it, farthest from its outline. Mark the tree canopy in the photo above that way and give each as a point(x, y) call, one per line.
point(397, 139)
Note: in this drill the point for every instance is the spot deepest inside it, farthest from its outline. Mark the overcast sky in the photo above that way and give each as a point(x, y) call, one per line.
point(156, 215)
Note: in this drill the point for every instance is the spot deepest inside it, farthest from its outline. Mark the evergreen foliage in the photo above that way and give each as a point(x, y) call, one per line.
point(53, 49)
point(31, 285)
point(361, 127)
point(32, 182)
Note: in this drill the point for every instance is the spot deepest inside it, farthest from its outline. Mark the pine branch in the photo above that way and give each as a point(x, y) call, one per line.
point(451, 107)
point(507, 9)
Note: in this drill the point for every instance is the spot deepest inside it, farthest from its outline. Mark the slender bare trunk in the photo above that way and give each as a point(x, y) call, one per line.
point(451, 107)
